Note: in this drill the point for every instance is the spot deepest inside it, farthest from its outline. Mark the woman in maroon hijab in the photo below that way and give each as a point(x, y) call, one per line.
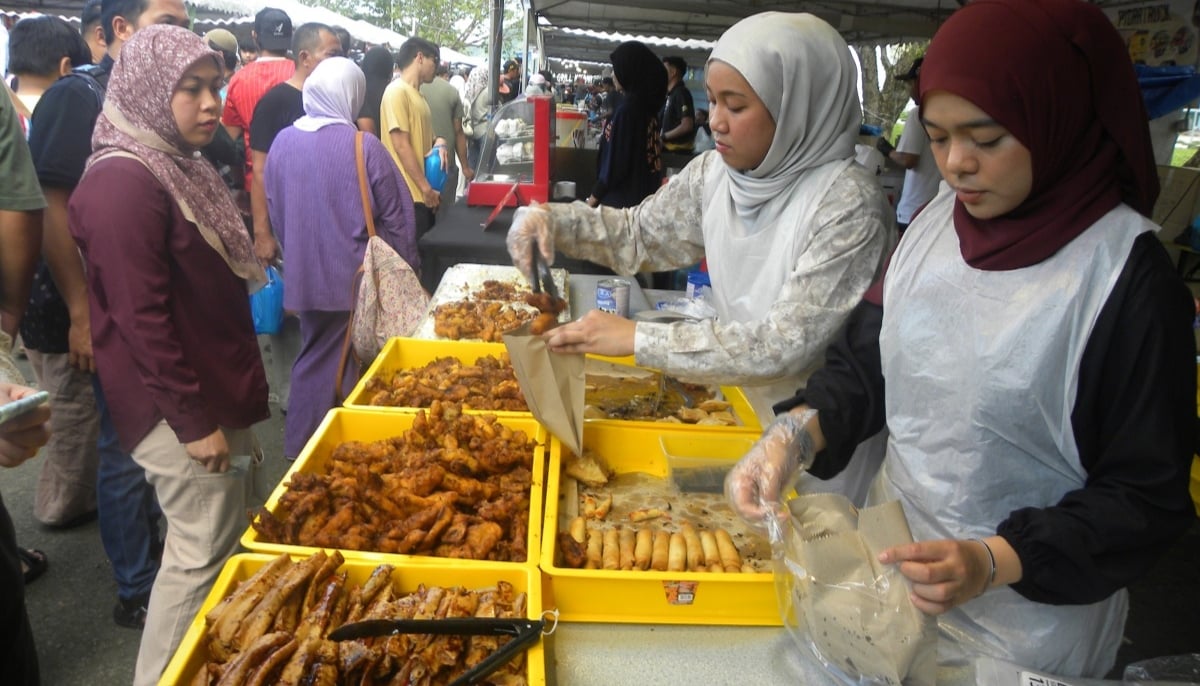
point(1029, 350)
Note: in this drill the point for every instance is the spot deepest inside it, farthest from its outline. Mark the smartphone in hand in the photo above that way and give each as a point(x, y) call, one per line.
point(18, 408)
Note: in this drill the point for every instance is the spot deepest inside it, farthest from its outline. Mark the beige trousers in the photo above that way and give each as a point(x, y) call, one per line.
point(206, 513)
point(8, 368)
point(66, 487)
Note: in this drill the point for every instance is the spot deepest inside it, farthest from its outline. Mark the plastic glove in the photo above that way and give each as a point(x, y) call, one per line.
point(755, 485)
point(530, 225)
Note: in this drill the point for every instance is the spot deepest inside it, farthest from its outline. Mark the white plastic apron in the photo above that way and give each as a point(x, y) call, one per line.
point(982, 370)
point(748, 269)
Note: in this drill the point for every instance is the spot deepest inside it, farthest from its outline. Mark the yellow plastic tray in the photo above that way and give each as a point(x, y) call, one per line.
point(409, 353)
point(190, 656)
point(590, 595)
point(342, 425)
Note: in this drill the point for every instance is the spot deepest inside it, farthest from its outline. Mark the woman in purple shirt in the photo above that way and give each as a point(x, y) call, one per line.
point(316, 210)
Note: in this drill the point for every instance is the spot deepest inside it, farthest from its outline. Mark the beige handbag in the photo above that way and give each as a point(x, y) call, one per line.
point(388, 299)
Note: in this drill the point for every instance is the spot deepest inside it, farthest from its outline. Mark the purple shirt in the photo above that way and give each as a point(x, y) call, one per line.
point(171, 326)
point(317, 214)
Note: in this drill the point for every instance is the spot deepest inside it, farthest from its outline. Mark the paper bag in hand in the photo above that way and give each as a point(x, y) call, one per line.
point(840, 603)
point(552, 384)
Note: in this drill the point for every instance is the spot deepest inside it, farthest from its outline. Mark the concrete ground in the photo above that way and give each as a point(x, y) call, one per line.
point(70, 607)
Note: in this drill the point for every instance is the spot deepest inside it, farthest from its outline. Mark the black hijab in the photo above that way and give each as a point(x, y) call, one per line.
point(642, 76)
point(377, 66)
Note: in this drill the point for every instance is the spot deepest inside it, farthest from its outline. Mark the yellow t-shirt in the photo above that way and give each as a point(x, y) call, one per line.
point(403, 109)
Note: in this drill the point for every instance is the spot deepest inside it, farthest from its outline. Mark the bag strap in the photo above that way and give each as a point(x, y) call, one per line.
point(362, 182)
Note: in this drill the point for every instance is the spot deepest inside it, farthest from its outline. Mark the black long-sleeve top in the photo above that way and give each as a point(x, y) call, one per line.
point(629, 165)
point(1134, 423)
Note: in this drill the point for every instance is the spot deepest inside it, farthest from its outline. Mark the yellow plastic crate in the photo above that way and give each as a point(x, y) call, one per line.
point(191, 655)
point(410, 353)
point(642, 597)
point(342, 425)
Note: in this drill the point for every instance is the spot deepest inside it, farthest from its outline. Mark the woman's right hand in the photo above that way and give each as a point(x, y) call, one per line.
point(756, 483)
point(530, 226)
point(212, 452)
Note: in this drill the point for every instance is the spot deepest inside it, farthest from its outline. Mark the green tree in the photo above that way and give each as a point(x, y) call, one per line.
point(883, 105)
point(456, 25)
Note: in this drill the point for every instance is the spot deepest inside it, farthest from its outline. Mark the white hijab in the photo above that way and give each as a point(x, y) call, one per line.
point(333, 94)
point(802, 70)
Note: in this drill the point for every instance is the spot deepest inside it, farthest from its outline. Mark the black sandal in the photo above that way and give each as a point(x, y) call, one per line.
point(33, 563)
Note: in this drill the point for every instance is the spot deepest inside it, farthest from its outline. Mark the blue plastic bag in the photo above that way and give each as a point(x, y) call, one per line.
point(266, 304)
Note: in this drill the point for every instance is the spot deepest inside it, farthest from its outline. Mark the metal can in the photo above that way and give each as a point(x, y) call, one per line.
point(612, 295)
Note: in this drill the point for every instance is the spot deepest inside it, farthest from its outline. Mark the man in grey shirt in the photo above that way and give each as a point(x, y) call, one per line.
point(446, 113)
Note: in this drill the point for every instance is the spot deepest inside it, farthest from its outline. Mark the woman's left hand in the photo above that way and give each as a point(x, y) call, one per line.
point(596, 332)
point(944, 574)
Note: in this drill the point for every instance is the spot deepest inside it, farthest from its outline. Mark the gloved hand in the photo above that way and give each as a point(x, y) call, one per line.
point(756, 484)
point(530, 226)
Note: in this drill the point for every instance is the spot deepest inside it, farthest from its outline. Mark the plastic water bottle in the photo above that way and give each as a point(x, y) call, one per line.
point(434, 174)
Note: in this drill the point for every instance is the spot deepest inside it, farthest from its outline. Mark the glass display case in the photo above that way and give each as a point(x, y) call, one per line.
point(514, 167)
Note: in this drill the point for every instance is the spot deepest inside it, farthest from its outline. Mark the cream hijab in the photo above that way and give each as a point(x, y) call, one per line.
point(802, 70)
point(333, 94)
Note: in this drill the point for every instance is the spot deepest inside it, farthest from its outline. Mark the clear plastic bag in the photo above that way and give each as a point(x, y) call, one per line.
point(1173, 669)
point(840, 605)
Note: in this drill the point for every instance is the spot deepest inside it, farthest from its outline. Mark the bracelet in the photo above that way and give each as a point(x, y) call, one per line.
point(992, 557)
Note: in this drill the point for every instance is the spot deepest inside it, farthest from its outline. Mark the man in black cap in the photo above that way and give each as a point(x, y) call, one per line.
point(921, 176)
point(92, 29)
point(510, 80)
point(679, 112)
point(273, 34)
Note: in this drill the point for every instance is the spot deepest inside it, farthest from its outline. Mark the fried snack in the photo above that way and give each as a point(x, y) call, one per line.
point(714, 405)
point(716, 568)
point(597, 508)
point(642, 547)
point(595, 545)
point(662, 549)
point(586, 469)
point(259, 621)
point(578, 530)
point(695, 556)
point(477, 319)
point(611, 556)
point(543, 323)
point(546, 303)
point(708, 545)
point(238, 669)
point(627, 540)
point(488, 384)
point(646, 513)
point(572, 553)
point(499, 290)
point(730, 558)
point(225, 619)
point(453, 485)
point(677, 553)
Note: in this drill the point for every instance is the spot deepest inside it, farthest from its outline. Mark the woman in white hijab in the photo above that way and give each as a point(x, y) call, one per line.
point(316, 209)
point(793, 230)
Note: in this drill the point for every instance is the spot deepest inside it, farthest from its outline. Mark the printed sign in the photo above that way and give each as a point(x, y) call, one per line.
point(1159, 33)
point(680, 592)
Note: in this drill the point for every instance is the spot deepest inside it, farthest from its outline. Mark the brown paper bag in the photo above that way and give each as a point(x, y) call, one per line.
point(841, 603)
point(553, 385)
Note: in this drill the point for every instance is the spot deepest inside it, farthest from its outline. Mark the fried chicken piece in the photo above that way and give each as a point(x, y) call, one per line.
point(481, 538)
point(572, 553)
point(543, 323)
point(241, 666)
point(546, 303)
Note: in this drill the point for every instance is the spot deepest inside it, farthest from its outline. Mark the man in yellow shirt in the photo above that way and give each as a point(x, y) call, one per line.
point(408, 128)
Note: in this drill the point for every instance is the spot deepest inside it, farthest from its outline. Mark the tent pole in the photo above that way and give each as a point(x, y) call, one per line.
point(497, 36)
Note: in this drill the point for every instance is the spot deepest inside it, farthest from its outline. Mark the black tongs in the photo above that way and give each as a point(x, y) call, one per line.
point(522, 631)
point(542, 278)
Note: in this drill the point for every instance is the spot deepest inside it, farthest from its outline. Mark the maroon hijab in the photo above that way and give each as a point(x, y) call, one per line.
point(1057, 75)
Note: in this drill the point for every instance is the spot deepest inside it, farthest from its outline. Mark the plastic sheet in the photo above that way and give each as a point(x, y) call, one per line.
point(1174, 669)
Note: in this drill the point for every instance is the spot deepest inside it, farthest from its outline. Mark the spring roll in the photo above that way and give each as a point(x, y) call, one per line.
point(708, 544)
point(643, 544)
point(677, 554)
point(578, 530)
point(612, 550)
point(695, 555)
point(595, 545)
point(628, 541)
point(716, 567)
point(730, 559)
point(662, 545)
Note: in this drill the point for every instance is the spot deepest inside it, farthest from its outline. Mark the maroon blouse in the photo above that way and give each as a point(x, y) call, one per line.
point(171, 327)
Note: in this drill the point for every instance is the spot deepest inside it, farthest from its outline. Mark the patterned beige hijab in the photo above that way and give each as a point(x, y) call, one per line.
point(137, 120)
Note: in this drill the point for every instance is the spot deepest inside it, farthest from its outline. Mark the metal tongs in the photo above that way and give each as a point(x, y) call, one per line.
point(522, 631)
point(542, 278)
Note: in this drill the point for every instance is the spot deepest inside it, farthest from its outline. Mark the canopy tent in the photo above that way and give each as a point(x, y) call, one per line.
point(240, 13)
